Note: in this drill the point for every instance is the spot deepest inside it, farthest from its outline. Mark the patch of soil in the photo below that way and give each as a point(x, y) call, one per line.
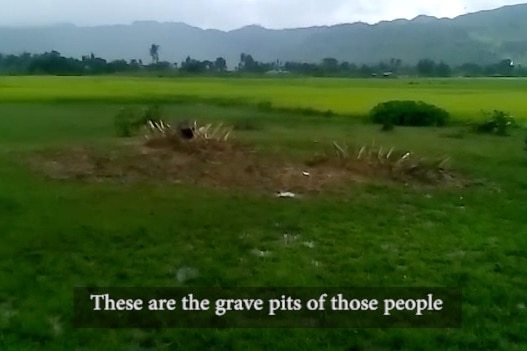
point(220, 164)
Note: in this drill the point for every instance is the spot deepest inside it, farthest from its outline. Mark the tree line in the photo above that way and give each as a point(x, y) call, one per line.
point(54, 63)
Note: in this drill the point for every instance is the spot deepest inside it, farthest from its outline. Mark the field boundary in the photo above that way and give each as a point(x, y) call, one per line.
point(260, 105)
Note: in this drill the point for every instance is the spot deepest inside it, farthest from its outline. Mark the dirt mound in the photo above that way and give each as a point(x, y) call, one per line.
point(229, 165)
point(397, 165)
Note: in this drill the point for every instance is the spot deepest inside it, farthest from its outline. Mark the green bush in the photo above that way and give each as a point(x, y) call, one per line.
point(124, 122)
point(128, 121)
point(151, 113)
point(387, 125)
point(497, 123)
point(408, 113)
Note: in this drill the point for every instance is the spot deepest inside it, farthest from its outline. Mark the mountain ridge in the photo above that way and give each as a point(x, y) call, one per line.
point(481, 37)
point(70, 24)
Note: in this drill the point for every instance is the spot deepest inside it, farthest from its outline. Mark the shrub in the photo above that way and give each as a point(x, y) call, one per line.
point(151, 113)
point(387, 125)
point(497, 123)
point(408, 113)
point(397, 164)
point(124, 122)
point(128, 121)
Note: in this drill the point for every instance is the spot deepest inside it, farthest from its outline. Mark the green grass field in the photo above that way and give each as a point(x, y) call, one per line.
point(59, 234)
point(465, 98)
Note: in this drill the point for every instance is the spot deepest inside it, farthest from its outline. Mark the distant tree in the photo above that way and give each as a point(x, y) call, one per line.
point(383, 67)
point(241, 64)
point(330, 65)
point(426, 67)
point(470, 69)
point(365, 71)
point(134, 65)
point(443, 70)
point(207, 65)
point(505, 67)
point(154, 53)
point(395, 64)
point(344, 67)
point(159, 67)
point(520, 71)
point(191, 65)
point(53, 63)
point(247, 63)
point(118, 66)
point(220, 64)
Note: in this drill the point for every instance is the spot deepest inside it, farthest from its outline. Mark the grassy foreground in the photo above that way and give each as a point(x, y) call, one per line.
point(55, 235)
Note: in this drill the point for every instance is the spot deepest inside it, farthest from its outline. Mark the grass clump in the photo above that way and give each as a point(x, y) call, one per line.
point(497, 123)
point(151, 113)
point(128, 121)
point(408, 113)
point(124, 121)
point(247, 124)
point(387, 125)
point(388, 162)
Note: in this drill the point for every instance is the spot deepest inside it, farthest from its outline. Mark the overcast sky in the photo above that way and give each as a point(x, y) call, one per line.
point(231, 14)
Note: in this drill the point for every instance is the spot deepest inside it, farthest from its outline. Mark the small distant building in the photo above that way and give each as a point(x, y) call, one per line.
point(387, 74)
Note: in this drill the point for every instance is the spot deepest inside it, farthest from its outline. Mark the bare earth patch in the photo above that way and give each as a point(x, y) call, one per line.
point(226, 165)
